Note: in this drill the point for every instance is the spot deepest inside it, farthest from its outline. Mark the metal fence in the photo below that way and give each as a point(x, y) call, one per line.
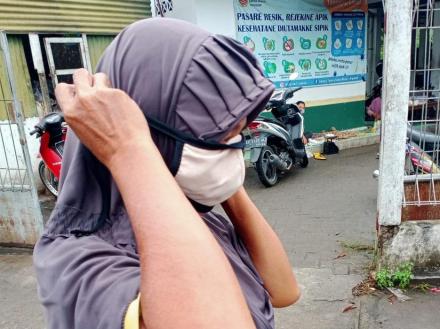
point(14, 175)
point(20, 214)
point(422, 161)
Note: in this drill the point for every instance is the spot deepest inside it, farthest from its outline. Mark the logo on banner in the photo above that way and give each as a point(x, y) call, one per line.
point(243, 3)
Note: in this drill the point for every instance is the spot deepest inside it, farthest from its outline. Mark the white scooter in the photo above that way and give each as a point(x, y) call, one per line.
point(276, 145)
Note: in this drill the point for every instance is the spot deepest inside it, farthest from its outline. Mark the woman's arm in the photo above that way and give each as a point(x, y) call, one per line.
point(186, 280)
point(265, 249)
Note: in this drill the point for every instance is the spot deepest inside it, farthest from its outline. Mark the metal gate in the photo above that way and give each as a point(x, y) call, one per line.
point(21, 221)
point(422, 165)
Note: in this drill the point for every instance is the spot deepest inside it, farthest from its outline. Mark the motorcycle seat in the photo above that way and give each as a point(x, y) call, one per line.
point(52, 119)
point(274, 121)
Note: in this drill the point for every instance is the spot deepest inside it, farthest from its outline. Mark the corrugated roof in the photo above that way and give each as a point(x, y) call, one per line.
point(85, 16)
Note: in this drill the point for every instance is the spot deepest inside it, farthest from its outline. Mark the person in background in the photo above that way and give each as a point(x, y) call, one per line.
point(374, 109)
point(302, 107)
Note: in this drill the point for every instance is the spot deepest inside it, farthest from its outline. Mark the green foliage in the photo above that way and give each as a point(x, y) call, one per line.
point(384, 279)
point(400, 277)
point(403, 275)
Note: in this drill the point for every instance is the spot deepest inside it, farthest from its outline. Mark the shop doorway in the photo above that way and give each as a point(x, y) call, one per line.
point(64, 56)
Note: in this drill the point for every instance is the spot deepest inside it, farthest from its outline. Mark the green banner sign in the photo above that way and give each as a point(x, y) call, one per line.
point(305, 36)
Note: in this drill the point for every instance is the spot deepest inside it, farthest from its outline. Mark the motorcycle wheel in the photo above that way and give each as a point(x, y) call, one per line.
point(304, 161)
point(48, 179)
point(267, 173)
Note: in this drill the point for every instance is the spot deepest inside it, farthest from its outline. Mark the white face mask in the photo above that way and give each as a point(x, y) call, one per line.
point(208, 172)
point(210, 177)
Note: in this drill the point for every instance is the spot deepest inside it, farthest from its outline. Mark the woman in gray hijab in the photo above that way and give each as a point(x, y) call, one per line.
point(154, 144)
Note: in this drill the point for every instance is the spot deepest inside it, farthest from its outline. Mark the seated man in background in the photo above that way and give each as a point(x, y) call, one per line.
point(302, 107)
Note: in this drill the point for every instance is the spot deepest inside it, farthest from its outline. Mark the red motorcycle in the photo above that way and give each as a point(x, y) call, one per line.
point(52, 131)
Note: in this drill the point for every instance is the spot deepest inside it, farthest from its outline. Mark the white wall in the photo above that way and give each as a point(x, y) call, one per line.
point(183, 9)
point(11, 154)
point(216, 16)
point(326, 95)
point(201, 12)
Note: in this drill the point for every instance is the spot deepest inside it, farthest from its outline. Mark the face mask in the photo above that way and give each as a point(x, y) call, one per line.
point(207, 172)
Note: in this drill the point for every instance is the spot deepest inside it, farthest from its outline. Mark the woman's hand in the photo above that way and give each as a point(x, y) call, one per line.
point(105, 119)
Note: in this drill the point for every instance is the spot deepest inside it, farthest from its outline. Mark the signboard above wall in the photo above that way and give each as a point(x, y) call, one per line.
point(322, 40)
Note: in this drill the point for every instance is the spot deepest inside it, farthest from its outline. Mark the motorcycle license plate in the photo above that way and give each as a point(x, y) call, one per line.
point(256, 142)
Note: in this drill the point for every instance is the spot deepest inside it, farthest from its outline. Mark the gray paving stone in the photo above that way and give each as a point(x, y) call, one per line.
point(341, 269)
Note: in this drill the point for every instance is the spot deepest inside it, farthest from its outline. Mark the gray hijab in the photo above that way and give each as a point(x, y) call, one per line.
point(179, 74)
point(190, 80)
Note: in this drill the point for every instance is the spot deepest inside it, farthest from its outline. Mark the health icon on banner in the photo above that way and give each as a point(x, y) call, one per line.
point(289, 67)
point(249, 43)
point(268, 44)
point(305, 64)
point(305, 43)
point(288, 44)
point(321, 64)
point(321, 43)
point(269, 68)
